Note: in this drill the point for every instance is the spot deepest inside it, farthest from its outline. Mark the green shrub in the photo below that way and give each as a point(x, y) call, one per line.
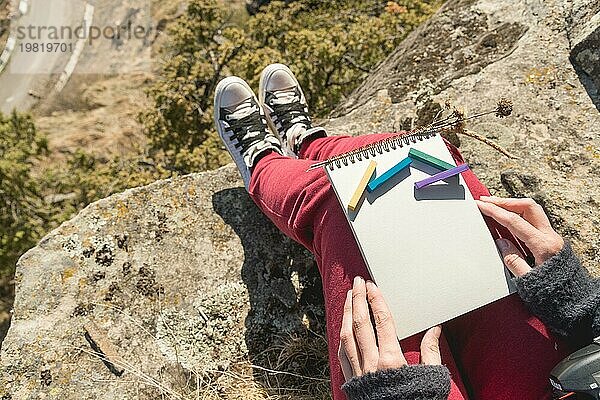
point(37, 193)
point(22, 208)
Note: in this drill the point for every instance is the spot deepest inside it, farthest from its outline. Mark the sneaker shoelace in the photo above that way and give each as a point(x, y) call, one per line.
point(288, 110)
point(246, 124)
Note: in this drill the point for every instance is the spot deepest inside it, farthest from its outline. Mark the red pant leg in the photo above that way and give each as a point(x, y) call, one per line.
point(305, 208)
point(323, 148)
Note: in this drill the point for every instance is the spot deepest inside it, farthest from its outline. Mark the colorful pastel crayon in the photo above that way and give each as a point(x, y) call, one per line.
point(441, 176)
point(429, 160)
point(380, 180)
point(362, 185)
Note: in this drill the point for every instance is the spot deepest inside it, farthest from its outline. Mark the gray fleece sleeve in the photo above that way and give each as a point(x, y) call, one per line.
point(410, 382)
point(563, 295)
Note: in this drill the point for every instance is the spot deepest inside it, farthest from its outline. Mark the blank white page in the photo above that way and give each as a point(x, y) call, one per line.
point(429, 250)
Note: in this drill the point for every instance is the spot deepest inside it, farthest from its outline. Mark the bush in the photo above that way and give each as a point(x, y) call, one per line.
point(330, 46)
point(86, 178)
point(22, 209)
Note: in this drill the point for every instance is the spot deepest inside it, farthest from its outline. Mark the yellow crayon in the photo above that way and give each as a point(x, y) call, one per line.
point(364, 181)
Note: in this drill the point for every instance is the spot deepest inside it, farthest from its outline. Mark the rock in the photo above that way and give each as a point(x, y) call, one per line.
point(183, 279)
point(585, 55)
point(189, 283)
point(581, 17)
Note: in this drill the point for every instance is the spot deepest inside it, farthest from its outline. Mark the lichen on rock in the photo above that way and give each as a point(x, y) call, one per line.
point(209, 335)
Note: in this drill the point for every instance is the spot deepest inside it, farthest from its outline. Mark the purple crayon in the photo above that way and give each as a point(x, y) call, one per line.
point(441, 176)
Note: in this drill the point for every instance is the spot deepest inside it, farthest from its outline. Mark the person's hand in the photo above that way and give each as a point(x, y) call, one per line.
point(526, 220)
point(359, 352)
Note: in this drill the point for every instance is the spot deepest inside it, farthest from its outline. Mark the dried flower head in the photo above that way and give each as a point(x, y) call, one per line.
point(504, 108)
point(458, 123)
point(458, 114)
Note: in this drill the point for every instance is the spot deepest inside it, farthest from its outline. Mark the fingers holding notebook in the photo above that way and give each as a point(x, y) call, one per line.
point(430, 347)
point(513, 258)
point(363, 328)
point(360, 352)
point(390, 354)
point(348, 351)
point(531, 211)
point(526, 220)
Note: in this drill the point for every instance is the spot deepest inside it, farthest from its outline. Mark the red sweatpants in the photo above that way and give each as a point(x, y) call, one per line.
point(498, 352)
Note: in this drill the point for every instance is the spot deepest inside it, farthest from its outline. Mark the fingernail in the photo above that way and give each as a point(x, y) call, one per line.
point(358, 280)
point(370, 284)
point(503, 244)
point(484, 198)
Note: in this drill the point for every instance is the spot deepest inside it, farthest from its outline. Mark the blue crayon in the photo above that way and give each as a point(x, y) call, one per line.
point(380, 180)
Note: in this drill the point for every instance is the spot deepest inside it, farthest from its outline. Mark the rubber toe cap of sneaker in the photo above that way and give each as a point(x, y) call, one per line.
point(280, 80)
point(234, 93)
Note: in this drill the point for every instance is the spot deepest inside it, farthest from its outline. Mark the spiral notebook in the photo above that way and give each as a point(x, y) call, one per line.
point(428, 249)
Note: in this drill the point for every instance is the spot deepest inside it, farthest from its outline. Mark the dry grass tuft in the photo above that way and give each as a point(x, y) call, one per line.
point(293, 367)
point(296, 366)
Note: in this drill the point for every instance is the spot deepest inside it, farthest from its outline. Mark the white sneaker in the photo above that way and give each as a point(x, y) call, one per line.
point(286, 108)
point(241, 123)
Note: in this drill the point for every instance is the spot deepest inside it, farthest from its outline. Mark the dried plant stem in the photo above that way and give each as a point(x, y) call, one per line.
point(487, 141)
point(275, 372)
point(137, 373)
point(455, 122)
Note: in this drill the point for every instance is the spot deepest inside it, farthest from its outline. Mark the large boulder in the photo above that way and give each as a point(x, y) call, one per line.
point(178, 288)
point(156, 289)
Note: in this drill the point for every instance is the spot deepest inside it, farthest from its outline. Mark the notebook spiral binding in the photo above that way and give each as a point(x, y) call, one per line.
point(371, 150)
